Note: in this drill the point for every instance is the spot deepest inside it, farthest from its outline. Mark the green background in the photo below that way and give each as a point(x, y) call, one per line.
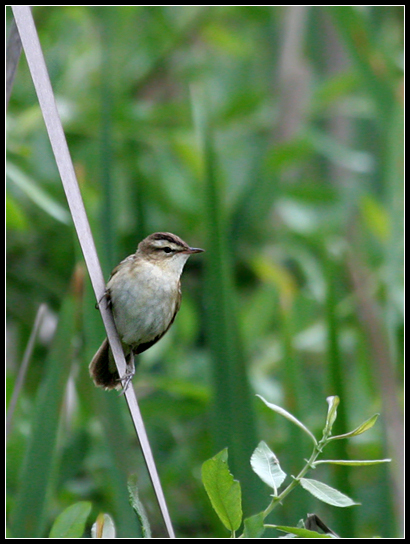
point(273, 138)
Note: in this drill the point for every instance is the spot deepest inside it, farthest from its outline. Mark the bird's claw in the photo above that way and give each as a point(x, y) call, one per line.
point(127, 378)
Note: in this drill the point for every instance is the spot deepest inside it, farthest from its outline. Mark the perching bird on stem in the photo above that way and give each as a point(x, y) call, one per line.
point(144, 292)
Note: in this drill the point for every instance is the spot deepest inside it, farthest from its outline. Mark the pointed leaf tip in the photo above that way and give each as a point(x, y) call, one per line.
point(362, 428)
point(223, 491)
point(326, 494)
point(289, 416)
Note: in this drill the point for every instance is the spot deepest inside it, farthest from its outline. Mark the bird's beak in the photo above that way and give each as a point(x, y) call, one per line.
point(192, 250)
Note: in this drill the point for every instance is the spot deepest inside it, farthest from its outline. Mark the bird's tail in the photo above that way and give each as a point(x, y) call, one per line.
point(103, 370)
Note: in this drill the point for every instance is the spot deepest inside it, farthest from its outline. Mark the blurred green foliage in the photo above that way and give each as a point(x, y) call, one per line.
point(295, 190)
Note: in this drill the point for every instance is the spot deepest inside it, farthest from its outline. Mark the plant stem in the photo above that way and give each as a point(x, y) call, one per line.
point(317, 450)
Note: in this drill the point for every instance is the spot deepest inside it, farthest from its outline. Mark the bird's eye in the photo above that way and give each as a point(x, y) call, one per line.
point(167, 250)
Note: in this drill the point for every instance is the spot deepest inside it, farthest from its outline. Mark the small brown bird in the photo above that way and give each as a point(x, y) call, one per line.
point(144, 292)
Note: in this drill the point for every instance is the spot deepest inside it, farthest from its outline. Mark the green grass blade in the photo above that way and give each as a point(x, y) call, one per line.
point(28, 517)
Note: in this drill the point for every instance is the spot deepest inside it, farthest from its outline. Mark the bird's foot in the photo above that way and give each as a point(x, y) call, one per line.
point(127, 377)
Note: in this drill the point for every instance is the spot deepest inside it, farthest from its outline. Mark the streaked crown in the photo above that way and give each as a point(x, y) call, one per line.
point(162, 245)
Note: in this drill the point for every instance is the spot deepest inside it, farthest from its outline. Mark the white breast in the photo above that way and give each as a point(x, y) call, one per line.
point(143, 301)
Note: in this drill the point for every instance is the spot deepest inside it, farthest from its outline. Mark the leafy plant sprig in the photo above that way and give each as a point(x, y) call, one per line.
point(225, 493)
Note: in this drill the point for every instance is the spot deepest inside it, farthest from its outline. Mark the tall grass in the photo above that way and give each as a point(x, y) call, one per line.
point(299, 208)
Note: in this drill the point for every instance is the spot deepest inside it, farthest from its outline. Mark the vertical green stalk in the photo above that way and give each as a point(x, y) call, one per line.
point(345, 521)
point(106, 146)
point(28, 518)
point(295, 398)
point(233, 417)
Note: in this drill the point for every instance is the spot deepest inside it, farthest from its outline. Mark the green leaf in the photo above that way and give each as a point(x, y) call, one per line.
point(288, 416)
point(103, 527)
point(299, 531)
point(266, 465)
point(353, 463)
point(326, 493)
point(71, 522)
point(253, 526)
point(365, 426)
point(331, 413)
point(223, 491)
point(138, 506)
